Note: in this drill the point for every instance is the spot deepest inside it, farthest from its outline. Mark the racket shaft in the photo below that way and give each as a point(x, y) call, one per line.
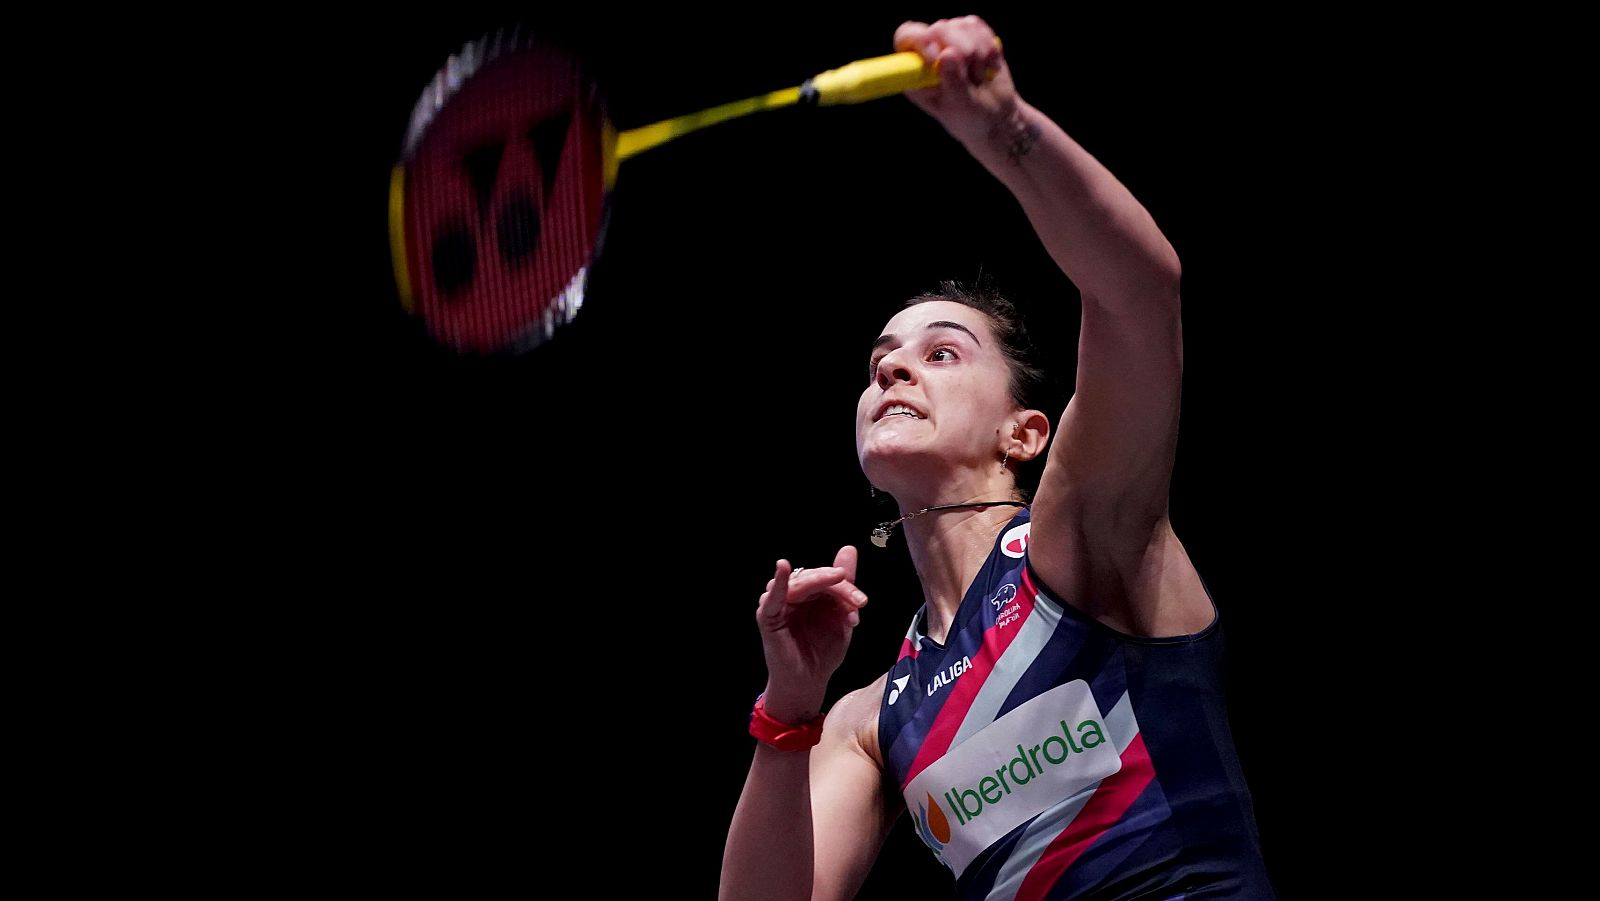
point(638, 140)
point(857, 82)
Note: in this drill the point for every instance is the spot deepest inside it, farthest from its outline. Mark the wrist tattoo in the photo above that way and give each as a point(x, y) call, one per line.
point(1022, 140)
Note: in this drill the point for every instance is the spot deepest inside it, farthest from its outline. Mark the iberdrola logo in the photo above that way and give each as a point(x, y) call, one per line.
point(968, 804)
point(933, 828)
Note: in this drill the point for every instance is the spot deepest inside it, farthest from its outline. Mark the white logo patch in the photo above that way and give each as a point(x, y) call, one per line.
point(1052, 748)
point(899, 686)
point(1015, 541)
point(1004, 595)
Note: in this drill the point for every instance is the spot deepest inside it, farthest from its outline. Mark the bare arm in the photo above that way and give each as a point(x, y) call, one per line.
point(1100, 512)
point(810, 824)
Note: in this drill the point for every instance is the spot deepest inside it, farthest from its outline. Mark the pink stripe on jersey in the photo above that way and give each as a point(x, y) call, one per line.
point(948, 721)
point(1111, 800)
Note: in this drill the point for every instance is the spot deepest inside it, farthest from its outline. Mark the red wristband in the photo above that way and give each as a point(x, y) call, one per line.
point(783, 736)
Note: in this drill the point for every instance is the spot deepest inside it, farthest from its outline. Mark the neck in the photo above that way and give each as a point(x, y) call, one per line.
point(947, 548)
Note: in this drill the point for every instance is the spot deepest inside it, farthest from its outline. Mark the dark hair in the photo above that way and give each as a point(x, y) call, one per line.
point(1006, 323)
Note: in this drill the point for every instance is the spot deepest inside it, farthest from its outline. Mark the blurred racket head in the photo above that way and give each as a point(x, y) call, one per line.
point(498, 204)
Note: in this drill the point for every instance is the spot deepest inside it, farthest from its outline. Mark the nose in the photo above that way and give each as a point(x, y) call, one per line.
point(894, 367)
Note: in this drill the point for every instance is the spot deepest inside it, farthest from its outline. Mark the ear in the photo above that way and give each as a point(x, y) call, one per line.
point(1031, 435)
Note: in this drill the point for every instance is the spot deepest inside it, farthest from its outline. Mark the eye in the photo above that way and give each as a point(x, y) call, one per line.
point(872, 368)
point(949, 351)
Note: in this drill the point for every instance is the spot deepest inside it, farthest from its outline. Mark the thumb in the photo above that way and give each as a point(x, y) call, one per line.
point(846, 560)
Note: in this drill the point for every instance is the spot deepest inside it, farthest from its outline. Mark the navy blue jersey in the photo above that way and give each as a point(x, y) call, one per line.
point(1044, 755)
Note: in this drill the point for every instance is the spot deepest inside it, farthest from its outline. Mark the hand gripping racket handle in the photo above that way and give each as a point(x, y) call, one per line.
point(869, 79)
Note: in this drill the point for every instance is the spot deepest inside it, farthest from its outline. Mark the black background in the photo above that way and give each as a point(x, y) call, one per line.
point(556, 557)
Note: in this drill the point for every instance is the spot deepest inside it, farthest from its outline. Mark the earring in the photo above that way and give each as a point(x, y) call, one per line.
point(1004, 460)
point(873, 489)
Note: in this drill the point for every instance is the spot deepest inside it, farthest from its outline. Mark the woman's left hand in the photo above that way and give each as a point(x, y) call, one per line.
point(975, 95)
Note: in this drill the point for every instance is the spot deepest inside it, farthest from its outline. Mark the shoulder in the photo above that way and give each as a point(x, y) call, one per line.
point(1137, 581)
point(856, 716)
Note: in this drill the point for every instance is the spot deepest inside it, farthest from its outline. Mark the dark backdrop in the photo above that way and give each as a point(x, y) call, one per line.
point(547, 650)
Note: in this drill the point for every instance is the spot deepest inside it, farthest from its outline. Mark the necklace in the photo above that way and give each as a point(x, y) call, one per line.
point(880, 535)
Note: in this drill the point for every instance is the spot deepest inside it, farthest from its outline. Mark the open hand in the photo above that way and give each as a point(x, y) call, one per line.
point(806, 618)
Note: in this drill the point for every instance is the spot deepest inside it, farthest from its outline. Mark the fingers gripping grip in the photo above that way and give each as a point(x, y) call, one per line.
point(869, 79)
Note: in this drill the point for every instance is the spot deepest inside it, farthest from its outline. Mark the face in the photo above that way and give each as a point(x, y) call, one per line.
point(941, 363)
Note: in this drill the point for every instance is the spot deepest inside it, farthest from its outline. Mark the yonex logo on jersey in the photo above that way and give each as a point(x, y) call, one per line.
point(968, 803)
point(899, 686)
point(1015, 540)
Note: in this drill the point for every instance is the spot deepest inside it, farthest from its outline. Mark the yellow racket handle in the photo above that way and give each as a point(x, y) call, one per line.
point(869, 79)
point(880, 76)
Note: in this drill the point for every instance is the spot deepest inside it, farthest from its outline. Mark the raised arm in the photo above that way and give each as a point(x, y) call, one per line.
point(809, 823)
point(1101, 506)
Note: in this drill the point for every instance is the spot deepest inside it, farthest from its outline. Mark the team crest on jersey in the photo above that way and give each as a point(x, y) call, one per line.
point(1015, 540)
point(1004, 595)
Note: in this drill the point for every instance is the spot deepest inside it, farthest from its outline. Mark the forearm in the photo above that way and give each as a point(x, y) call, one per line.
point(1097, 232)
point(769, 851)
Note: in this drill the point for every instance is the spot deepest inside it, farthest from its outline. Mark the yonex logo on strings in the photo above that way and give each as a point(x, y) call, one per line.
point(517, 216)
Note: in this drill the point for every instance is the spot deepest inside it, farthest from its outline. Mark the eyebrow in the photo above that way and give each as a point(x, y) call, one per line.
point(943, 323)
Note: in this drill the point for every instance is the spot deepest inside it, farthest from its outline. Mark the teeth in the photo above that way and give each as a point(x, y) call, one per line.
point(897, 409)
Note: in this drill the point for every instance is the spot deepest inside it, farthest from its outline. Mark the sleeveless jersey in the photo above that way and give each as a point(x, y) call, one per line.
point(1042, 754)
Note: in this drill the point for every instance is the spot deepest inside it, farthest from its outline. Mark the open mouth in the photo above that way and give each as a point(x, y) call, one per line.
point(899, 410)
